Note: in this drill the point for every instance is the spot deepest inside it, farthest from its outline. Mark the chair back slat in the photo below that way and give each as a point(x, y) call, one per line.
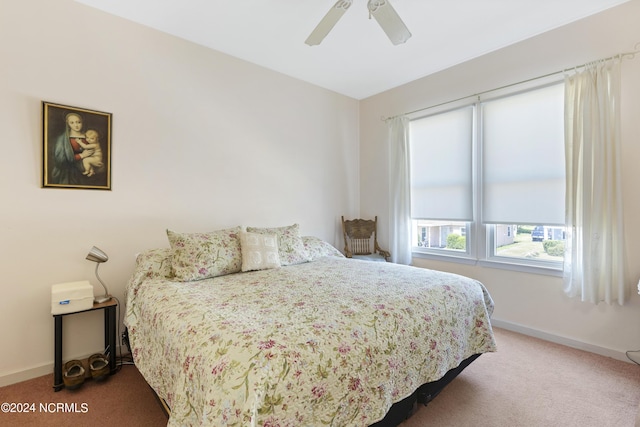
point(361, 246)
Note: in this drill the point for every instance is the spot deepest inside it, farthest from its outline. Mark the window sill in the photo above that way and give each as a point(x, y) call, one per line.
point(446, 257)
point(545, 270)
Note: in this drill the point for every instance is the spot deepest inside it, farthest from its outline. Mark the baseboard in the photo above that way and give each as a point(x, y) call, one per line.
point(37, 371)
point(525, 330)
point(27, 374)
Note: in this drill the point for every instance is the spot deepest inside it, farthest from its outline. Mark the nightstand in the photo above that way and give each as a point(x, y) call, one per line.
point(109, 308)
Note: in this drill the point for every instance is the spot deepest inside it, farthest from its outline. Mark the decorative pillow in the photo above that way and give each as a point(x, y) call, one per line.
point(153, 263)
point(290, 246)
point(259, 251)
point(318, 248)
point(197, 256)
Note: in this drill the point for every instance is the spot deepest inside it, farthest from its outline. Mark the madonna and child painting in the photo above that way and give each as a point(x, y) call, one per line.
point(76, 147)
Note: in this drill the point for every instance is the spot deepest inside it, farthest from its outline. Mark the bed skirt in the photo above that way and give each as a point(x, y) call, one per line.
point(402, 410)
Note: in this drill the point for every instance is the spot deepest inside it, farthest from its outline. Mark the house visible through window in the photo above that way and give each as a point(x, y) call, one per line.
point(449, 235)
point(487, 179)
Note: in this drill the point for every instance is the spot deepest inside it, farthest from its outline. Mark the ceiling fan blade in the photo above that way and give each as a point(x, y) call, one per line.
point(328, 22)
point(389, 20)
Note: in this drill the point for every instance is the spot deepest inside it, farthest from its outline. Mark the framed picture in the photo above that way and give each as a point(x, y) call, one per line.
point(76, 147)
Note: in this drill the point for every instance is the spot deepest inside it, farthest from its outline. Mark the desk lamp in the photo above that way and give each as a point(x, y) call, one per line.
point(97, 256)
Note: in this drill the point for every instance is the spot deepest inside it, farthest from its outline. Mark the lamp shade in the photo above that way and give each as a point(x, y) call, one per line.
point(96, 255)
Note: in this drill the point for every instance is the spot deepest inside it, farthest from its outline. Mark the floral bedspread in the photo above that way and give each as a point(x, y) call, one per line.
point(330, 342)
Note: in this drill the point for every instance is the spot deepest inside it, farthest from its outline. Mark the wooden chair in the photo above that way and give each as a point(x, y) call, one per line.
point(361, 241)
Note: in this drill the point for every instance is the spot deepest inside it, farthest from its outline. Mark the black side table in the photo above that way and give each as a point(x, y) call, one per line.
point(109, 308)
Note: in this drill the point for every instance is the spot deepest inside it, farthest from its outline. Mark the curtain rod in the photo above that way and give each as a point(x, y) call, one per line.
point(630, 55)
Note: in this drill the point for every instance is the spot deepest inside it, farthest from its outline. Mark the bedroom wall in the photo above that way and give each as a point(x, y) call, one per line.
point(531, 303)
point(200, 141)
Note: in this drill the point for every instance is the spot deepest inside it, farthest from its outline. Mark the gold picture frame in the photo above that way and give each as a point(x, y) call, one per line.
point(76, 148)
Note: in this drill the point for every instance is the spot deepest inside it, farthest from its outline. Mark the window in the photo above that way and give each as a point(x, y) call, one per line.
point(449, 235)
point(542, 244)
point(442, 180)
point(488, 179)
point(523, 158)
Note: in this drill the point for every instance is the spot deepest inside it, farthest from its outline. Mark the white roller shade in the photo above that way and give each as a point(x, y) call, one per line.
point(441, 166)
point(523, 158)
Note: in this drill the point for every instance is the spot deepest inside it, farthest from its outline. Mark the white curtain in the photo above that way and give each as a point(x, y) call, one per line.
point(594, 252)
point(399, 191)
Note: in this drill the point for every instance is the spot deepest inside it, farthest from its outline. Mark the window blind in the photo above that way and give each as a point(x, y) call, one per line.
point(523, 175)
point(441, 166)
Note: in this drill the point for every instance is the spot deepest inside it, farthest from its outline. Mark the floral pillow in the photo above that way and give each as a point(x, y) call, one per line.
point(318, 248)
point(259, 251)
point(153, 263)
point(290, 247)
point(197, 256)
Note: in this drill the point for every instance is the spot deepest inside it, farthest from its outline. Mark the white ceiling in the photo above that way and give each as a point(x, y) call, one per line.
point(356, 58)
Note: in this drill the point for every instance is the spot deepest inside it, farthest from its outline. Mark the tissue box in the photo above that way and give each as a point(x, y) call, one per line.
point(71, 297)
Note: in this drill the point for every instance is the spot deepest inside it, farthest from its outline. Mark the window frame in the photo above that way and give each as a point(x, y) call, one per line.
point(480, 240)
point(491, 259)
point(469, 256)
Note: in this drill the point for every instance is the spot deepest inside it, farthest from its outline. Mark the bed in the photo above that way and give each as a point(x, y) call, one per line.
point(312, 339)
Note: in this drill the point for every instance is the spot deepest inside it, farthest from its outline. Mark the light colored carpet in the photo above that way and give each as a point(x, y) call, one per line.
point(533, 383)
point(123, 399)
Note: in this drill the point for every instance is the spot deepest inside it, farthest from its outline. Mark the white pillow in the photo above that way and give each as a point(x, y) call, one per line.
point(290, 246)
point(259, 251)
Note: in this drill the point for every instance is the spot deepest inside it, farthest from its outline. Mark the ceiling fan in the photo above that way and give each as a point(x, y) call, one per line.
point(381, 10)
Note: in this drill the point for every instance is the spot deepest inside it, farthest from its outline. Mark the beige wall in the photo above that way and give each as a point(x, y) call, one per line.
point(200, 141)
point(529, 302)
